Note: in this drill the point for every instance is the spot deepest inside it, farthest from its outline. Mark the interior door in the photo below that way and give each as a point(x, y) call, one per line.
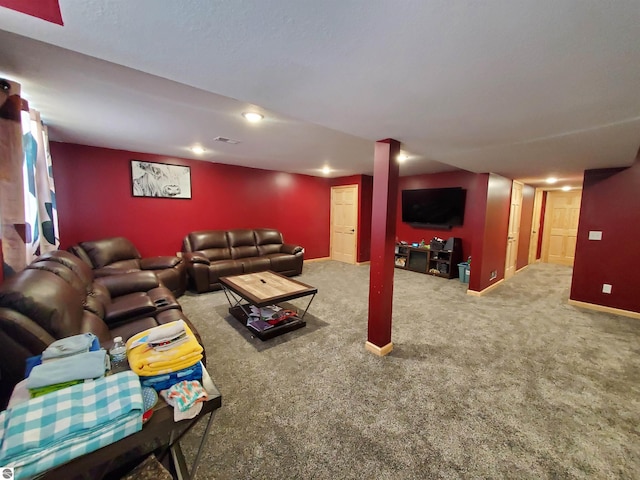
point(561, 227)
point(514, 230)
point(344, 223)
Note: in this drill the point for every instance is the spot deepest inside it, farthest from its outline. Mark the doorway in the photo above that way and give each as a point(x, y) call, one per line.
point(513, 234)
point(344, 223)
point(560, 233)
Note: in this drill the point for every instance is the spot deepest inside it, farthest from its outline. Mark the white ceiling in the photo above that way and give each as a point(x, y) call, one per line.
point(522, 88)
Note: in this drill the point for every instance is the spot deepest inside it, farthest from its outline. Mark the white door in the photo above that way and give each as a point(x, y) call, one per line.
point(513, 235)
point(561, 227)
point(344, 223)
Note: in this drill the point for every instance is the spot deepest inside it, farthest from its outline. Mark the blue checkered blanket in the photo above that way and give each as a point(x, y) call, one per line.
point(48, 431)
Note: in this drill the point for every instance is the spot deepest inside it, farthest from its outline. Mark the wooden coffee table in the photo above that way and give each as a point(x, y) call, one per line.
point(262, 289)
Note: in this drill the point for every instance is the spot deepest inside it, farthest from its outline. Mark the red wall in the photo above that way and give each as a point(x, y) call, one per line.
point(526, 220)
point(610, 204)
point(493, 231)
point(365, 194)
point(466, 232)
point(93, 187)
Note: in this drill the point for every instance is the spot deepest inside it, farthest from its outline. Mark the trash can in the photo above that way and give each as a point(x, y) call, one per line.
point(463, 272)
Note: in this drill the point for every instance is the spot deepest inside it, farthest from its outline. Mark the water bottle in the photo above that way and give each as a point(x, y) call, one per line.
point(118, 356)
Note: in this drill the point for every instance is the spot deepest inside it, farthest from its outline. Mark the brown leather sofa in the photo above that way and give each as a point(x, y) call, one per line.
point(211, 254)
point(115, 255)
point(57, 296)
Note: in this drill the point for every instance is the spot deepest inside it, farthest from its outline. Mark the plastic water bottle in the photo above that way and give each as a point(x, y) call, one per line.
point(118, 356)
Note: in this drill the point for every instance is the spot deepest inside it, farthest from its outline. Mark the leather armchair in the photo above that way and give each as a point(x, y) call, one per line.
point(212, 254)
point(118, 255)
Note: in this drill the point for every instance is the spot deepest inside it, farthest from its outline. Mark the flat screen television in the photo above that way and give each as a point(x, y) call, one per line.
point(434, 207)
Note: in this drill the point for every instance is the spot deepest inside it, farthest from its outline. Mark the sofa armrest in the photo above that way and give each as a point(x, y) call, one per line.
point(108, 271)
point(138, 281)
point(291, 249)
point(196, 257)
point(159, 263)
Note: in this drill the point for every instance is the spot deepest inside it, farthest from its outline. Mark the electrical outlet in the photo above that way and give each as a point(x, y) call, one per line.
point(493, 275)
point(595, 235)
point(606, 288)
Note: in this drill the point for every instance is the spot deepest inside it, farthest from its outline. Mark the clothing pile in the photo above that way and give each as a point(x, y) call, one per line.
point(47, 431)
point(66, 362)
point(168, 359)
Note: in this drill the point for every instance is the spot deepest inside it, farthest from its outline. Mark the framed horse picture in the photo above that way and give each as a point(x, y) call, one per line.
point(150, 179)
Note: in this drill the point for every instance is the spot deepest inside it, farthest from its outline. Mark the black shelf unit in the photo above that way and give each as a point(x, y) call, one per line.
point(440, 263)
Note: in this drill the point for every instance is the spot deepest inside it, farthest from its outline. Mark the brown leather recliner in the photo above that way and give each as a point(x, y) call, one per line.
point(56, 296)
point(211, 254)
point(115, 255)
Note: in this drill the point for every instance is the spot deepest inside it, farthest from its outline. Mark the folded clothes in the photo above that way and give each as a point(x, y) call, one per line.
point(145, 361)
point(186, 394)
point(83, 366)
point(37, 392)
point(167, 333)
point(37, 359)
point(69, 346)
point(162, 382)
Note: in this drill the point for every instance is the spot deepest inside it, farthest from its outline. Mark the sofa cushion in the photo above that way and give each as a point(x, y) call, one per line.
point(242, 243)
point(224, 268)
point(256, 264)
point(212, 243)
point(268, 241)
point(45, 298)
point(109, 250)
point(81, 268)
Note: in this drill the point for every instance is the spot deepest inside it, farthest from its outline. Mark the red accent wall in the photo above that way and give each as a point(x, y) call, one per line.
point(365, 194)
point(526, 220)
point(48, 10)
point(466, 232)
point(93, 187)
point(610, 204)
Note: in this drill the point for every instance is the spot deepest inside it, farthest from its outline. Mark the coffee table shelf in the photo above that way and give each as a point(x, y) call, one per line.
point(262, 289)
point(239, 313)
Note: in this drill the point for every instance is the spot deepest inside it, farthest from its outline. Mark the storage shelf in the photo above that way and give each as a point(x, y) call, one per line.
point(421, 260)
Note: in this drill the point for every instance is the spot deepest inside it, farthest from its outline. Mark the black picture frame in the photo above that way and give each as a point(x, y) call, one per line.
point(160, 180)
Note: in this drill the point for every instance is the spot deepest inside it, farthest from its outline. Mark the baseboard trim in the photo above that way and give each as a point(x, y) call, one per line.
point(602, 308)
point(475, 293)
point(380, 351)
point(319, 259)
point(363, 263)
point(521, 269)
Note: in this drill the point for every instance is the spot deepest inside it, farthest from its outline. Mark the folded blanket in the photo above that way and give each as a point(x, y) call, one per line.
point(162, 382)
point(38, 392)
point(167, 332)
point(145, 361)
point(47, 431)
point(69, 346)
point(82, 366)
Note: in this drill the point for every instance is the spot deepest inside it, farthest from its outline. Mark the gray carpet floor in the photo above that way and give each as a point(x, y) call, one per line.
point(515, 384)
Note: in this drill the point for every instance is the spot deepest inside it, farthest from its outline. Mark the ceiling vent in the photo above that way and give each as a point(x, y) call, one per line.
point(226, 140)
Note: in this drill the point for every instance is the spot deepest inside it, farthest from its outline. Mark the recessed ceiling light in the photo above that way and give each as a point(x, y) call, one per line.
point(326, 170)
point(252, 116)
point(551, 180)
point(566, 188)
point(197, 149)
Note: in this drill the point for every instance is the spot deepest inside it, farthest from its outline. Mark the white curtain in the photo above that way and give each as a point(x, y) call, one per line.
point(39, 192)
point(28, 215)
